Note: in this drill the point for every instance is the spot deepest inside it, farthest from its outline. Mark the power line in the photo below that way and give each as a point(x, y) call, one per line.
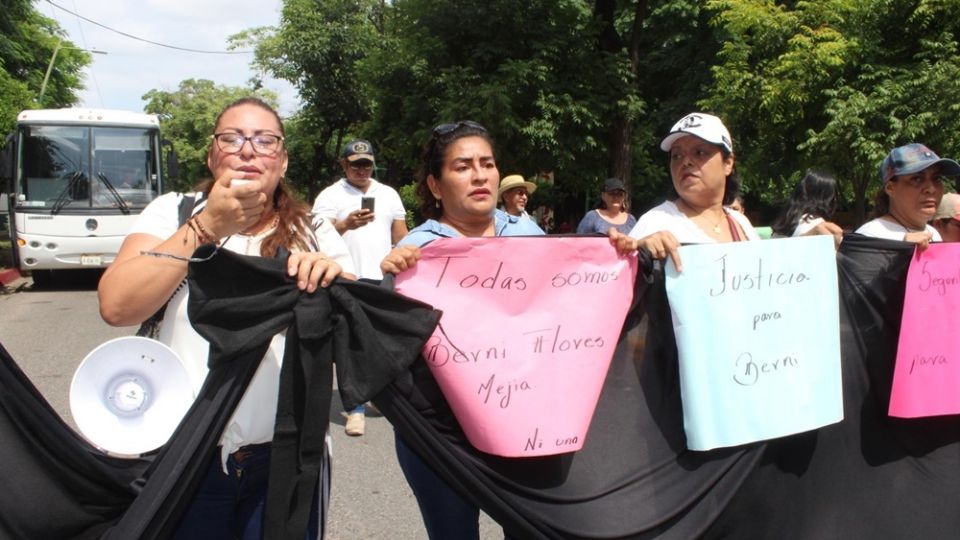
point(131, 36)
point(92, 74)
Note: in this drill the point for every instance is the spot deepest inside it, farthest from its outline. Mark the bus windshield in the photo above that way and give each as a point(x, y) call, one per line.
point(76, 168)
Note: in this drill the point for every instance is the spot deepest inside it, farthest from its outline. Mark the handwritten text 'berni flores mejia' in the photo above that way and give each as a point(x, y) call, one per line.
point(439, 352)
point(453, 268)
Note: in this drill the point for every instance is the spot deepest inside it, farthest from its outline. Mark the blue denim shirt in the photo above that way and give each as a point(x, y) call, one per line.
point(504, 224)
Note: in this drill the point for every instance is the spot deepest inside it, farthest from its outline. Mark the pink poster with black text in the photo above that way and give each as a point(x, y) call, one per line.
point(528, 331)
point(926, 379)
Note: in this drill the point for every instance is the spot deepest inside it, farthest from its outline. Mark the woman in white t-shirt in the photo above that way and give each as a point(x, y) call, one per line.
point(703, 175)
point(255, 217)
point(810, 208)
point(912, 177)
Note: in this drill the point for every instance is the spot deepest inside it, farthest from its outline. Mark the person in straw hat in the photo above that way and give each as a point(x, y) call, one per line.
point(514, 193)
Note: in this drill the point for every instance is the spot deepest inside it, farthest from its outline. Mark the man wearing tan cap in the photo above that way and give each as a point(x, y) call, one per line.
point(947, 218)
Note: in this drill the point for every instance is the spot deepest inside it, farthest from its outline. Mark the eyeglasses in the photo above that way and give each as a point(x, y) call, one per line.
point(265, 144)
point(616, 193)
point(946, 222)
point(360, 165)
point(446, 129)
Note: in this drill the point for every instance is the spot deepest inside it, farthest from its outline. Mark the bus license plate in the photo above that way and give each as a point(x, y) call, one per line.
point(91, 260)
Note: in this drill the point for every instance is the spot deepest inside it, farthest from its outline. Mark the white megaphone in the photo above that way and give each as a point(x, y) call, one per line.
point(129, 394)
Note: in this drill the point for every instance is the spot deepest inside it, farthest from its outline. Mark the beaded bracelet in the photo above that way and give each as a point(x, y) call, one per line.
point(201, 232)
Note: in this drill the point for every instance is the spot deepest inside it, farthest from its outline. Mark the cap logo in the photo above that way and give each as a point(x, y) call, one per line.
point(361, 147)
point(691, 121)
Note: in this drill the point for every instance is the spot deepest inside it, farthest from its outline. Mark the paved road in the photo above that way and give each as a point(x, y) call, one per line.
point(48, 332)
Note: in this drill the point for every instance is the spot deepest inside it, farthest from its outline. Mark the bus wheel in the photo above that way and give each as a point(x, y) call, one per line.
point(42, 278)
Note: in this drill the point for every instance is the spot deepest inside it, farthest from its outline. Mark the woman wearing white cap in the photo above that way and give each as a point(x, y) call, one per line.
point(702, 170)
point(912, 177)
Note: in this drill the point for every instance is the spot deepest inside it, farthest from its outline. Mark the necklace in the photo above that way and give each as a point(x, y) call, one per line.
point(251, 236)
point(252, 232)
point(715, 226)
point(904, 225)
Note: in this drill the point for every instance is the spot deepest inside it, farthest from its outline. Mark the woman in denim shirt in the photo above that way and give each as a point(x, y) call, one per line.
point(457, 189)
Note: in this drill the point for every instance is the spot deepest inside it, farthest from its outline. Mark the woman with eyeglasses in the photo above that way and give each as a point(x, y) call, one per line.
point(457, 189)
point(912, 177)
point(248, 209)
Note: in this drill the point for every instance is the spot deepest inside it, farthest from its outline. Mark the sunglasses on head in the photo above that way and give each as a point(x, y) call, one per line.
point(445, 129)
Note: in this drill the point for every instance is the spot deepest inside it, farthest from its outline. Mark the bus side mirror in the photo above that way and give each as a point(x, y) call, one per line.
point(173, 165)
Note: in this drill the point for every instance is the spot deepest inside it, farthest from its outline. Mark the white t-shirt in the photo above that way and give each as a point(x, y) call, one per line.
point(667, 217)
point(806, 224)
point(253, 420)
point(369, 244)
point(890, 230)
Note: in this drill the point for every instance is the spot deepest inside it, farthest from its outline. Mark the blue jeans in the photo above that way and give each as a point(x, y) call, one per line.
point(230, 506)
point(361, 408)
point(446, 515)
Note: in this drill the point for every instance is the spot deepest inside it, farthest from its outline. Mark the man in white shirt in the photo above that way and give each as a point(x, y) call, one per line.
point(370, 217)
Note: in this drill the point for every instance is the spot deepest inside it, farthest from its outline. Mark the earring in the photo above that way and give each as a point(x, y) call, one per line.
point(436, 203)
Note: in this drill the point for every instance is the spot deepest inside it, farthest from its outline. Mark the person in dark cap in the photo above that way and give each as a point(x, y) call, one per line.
point(912, 177)
point(614, 211)
point(371, 218)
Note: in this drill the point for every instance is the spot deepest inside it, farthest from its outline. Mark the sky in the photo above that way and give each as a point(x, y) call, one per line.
point(131, 68)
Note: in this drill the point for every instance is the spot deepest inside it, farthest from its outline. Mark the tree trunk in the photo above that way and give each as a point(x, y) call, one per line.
point(621, 128)
point(621, 155)
point(860, 200)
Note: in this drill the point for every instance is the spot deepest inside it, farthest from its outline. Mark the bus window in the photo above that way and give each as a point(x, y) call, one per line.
point(55, 166)
point(124, 167)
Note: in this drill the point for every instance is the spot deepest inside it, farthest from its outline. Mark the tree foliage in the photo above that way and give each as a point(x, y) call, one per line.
point(187, 116)
point(320, 47)
point(584, 89)
point(837, 84)
point(27, 42)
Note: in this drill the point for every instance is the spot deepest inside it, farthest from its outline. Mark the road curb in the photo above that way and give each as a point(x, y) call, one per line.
point(8, 275)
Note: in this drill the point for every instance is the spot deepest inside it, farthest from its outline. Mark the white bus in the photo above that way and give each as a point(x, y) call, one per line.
point(75, 181)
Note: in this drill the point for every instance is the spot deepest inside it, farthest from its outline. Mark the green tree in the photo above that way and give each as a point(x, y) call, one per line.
point(27, 42)
point(835, 83)
point(563, 85)
point(320, 47)
point(187, 116)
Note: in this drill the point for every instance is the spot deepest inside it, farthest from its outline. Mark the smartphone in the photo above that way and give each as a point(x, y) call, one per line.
point(366, 203)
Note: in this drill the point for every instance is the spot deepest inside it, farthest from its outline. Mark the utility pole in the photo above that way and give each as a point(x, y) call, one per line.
point(53, 58)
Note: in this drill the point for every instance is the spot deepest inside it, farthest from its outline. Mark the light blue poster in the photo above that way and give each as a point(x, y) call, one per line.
point(758, 333)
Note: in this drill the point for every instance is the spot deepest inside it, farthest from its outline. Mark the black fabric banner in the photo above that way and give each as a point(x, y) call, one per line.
point(869, 476)
point(59, 487)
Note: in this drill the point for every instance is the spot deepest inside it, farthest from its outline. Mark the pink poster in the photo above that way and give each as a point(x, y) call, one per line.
point(528, 331)
point(926, 379)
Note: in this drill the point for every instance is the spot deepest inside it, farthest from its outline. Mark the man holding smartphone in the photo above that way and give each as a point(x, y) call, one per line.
point(370, 217)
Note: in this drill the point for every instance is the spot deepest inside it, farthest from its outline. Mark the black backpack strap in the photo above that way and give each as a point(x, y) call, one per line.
point(151, 327)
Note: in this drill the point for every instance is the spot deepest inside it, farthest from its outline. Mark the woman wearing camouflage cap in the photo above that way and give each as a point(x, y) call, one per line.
point(912, 177)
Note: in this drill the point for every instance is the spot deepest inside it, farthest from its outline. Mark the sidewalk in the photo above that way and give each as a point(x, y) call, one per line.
point(8, 275)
